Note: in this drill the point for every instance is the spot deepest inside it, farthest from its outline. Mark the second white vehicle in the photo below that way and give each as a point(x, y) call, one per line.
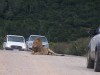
point(31, 39)
point(14, 42)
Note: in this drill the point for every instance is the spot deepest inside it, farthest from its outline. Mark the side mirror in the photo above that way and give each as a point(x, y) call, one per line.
point(98, 30)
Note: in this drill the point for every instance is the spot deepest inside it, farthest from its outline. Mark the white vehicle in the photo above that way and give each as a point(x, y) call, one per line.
point(31, 39)
point(93, 58)
point(14, 42)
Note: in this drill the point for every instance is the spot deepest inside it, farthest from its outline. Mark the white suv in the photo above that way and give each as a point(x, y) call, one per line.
point(14, 42)
point(93, 58)
point(31, 39)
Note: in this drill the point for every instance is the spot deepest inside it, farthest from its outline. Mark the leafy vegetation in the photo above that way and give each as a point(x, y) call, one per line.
point(58, 20)
point(78, 47)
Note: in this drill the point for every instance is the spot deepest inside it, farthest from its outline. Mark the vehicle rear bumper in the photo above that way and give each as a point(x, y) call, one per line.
point(8, 48)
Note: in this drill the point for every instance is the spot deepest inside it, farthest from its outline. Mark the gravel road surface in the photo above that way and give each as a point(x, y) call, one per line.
point(24, 63)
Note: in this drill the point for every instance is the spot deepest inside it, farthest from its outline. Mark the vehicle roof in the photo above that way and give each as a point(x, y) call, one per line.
point(16, 35)
point(37, 35)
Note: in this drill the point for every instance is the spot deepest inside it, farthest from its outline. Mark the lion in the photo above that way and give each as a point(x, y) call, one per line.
point(39, 49)
point(37, 45)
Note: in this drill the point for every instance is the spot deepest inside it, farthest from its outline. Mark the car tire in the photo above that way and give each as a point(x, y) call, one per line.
point(97, 62)
point(5, 49)
point(90, 62)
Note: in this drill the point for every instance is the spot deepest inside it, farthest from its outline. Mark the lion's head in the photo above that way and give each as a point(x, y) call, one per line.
point(37, 44)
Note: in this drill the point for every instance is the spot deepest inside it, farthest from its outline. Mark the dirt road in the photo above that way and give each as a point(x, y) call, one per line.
point(23, 63)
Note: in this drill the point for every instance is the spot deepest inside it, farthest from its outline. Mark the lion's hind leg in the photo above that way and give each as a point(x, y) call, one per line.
point(53, 53)
point(50, 52)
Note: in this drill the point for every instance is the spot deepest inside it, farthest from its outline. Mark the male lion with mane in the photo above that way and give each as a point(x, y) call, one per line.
point(39, 49)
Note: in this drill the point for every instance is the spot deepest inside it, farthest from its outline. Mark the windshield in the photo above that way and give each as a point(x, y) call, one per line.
point(15, 39)
point(34, 37)
point(43, 39)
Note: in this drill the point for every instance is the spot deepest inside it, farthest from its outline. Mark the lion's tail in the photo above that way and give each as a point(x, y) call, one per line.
point(53, 53)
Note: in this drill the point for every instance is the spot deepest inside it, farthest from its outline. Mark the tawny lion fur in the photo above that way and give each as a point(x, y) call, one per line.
point(38, 49)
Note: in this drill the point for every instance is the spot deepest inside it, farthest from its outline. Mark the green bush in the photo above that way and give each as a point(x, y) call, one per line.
point(59, 47)
point(78, 47)
point(1, 43)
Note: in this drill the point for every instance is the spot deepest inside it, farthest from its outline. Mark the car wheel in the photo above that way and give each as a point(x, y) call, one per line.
point(4, 48)
point(97, 62)
point(90, 62)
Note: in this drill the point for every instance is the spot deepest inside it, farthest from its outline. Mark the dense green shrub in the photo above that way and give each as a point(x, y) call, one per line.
point(78, 47)
point(58, 20)
point(59, 47)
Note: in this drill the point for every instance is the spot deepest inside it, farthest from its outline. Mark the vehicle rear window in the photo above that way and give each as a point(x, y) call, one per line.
point(15, 39)
point(42, 38)
point(33, 38)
